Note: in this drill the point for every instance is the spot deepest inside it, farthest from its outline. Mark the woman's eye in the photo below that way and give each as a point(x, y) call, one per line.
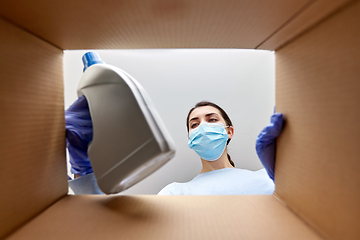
point(213, 120)
point(194, 125)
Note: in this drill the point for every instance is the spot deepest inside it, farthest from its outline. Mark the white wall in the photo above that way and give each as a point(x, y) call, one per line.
point(242, 82)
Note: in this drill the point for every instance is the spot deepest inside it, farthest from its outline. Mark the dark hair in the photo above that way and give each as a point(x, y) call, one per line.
point(223, 114)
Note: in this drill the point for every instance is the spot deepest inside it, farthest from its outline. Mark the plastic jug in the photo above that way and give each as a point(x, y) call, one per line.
point(130, 140)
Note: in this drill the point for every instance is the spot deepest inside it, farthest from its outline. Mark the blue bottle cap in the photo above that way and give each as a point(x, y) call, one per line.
point(91, 58)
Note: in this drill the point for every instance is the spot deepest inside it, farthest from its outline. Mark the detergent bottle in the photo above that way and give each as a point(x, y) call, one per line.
point(130, 140)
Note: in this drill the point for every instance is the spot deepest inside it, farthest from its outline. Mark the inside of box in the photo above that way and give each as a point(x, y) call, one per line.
point(167, 217)
point(317, 89)
point(317, 161)
point(137, 24)
point(33, 171)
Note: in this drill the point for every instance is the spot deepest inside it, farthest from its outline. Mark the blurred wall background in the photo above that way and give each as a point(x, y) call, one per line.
point(242, 82)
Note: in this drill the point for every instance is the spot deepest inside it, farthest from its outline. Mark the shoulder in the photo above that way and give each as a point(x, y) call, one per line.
point(170, 189)
point(259, 175)
point(243, 181)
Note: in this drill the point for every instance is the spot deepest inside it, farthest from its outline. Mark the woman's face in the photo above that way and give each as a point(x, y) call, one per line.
point(208, 114)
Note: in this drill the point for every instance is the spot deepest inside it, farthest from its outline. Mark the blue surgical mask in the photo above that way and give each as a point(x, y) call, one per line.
point(208, 140)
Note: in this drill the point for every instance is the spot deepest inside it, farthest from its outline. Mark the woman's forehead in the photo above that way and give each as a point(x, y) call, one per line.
point(202, 111)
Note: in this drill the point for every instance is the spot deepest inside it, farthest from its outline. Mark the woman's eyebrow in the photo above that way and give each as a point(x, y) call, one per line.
point(195, 118)
point(210, 114)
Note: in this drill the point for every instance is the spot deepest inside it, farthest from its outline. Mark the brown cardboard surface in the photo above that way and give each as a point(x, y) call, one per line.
point(167, 217)
point(32, 136)
point(312, 13)
point(151, 23)
point(318, 90)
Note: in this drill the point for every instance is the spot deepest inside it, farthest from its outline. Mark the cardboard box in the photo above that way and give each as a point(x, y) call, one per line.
point(317, 179)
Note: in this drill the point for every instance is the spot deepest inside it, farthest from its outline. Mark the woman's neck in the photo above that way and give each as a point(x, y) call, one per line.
point(222, 162)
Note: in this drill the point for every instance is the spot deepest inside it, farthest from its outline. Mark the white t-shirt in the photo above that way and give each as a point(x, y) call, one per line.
point(225, 181)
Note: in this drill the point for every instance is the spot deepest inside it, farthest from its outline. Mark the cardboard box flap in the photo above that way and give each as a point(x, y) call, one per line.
point(312, 13)
point(152, 24)
point(318, 90)
point(167, 217)
point(32, 139)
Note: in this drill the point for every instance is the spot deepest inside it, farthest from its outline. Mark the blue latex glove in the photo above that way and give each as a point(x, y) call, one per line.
point(79, 133)
point(266, 143)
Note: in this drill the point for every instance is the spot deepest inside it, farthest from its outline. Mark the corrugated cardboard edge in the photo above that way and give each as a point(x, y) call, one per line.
point(283, 202)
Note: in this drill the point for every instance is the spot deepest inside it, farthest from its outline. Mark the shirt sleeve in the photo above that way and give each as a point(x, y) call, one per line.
point(85, 185)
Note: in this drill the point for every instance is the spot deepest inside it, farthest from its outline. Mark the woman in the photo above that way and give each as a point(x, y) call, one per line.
point(210, 131)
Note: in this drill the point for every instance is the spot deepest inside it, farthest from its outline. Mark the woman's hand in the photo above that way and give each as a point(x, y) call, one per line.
point(266, 143)
point(79, 134)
